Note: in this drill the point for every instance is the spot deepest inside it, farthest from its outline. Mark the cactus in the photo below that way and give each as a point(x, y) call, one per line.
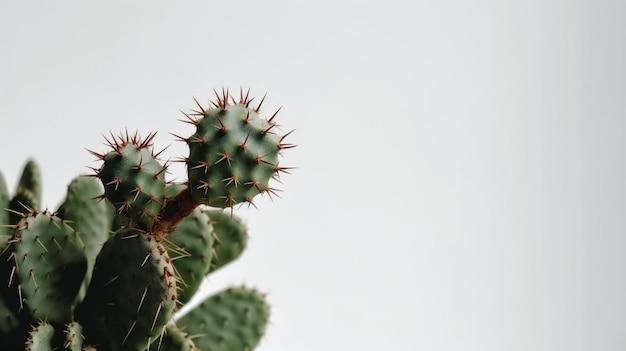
point(110, 267)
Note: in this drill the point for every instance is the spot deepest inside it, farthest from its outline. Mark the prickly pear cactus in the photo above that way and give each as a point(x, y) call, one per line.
point(110, 267)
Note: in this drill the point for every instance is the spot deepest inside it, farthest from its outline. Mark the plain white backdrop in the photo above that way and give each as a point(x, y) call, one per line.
point(460, 182)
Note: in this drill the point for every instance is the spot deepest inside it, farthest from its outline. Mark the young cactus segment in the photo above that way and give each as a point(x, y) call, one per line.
point(50, 265)
point(28, 193)
point(231, 238)
point(174, 339)
point(232, 320)
point(74, 337)
point(133, 178)
point(91, 218)
point(233, 153)
point(41, 338)
point(190, 247)
point(30, 180)
point(132, 294)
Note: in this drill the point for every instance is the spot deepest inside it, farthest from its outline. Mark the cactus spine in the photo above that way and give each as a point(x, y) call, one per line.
point(110, 267)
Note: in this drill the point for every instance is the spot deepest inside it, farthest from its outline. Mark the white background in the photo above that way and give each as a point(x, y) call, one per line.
point(460, 183)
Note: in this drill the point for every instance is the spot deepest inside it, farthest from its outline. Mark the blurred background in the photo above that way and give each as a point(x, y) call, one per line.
point(460, 180)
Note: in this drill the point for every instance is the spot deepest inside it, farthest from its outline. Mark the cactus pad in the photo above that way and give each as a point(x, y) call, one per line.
point(190, 247)
point(231, 238)
point(233, 153)
point(133, 178)
point(50, 264)
point(132, 293)
point(232, 320)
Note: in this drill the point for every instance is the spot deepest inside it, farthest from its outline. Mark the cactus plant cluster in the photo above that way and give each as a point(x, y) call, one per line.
point(108, 269)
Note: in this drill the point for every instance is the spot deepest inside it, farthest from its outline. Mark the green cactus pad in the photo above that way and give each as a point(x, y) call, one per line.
point(174, 339)
point(28, 192)
point(190, 247)
point(74, 337)
point(231, 238)
point(233, 153)
point(41, 338)
point(50, 265)
point(30, 180)
point(232, 320)
point(90, 218)
point(132, 294)
point(133, 178)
